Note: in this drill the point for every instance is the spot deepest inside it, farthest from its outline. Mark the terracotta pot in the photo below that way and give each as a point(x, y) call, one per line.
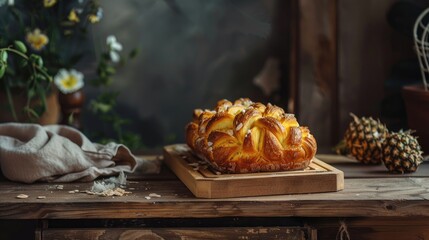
point(417, 105)
point(50, 116)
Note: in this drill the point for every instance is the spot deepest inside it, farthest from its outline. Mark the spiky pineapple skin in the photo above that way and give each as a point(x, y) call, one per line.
point(401, 152)
point(364, 138)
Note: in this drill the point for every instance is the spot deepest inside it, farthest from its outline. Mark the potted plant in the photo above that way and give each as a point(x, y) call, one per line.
point(30, 81)
point(417, 96)
point(54, 33)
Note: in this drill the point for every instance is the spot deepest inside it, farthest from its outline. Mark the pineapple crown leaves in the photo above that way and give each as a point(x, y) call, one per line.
point(357, 120)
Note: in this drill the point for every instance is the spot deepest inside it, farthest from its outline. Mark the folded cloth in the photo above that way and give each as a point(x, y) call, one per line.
point(57, 153)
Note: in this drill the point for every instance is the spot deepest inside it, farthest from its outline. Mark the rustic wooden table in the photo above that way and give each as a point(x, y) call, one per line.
point(368, 208)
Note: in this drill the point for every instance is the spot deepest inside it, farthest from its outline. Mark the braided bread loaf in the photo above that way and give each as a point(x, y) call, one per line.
point(249, 137)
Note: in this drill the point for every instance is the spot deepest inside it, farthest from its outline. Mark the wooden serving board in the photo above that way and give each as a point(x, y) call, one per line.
point(205, 182)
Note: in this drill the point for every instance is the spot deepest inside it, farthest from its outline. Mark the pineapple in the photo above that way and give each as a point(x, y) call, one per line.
point(401, 152)
point(364, 137)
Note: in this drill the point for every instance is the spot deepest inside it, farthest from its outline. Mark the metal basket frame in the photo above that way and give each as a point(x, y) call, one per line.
point(421, 44)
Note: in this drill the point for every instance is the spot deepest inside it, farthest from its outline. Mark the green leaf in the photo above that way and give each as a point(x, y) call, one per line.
point(31, 93)
point(70, 119)
point(3, 56)
point(20, 46)
point(39, 77)
point(110, 70)
point(3, 67)
point(31, 113)
point(100, 107)
point(42, 95)
point(132, 140)
point(39, 62)
point(36, 59)
point(102, 74)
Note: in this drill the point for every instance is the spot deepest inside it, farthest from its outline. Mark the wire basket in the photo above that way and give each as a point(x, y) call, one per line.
point(421, 44)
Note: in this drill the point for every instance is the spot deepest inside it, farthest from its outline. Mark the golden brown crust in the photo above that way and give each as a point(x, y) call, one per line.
point(250, 137)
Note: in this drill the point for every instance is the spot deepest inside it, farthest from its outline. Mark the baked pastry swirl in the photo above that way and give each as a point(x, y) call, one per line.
point(245, 137)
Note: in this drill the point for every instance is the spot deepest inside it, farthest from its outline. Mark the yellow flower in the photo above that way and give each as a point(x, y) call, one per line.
point(93, 18)
point(49, 3)
point(96, 17)
point(73, 16)
point(68, 81)
point(36, 39)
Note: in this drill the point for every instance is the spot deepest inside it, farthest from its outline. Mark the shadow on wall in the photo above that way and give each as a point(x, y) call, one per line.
point(192, 54)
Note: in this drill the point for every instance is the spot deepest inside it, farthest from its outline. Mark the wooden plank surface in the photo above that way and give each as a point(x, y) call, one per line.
point(203, 182)
point(364, 197)
point(286, 233)
point(354, 169)
point(360, 197)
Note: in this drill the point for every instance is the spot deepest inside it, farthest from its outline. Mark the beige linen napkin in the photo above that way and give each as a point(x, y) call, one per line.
point(57, 153)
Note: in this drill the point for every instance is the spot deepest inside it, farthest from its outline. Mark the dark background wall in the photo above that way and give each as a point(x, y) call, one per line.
point(354, 57)
point(193, 53)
